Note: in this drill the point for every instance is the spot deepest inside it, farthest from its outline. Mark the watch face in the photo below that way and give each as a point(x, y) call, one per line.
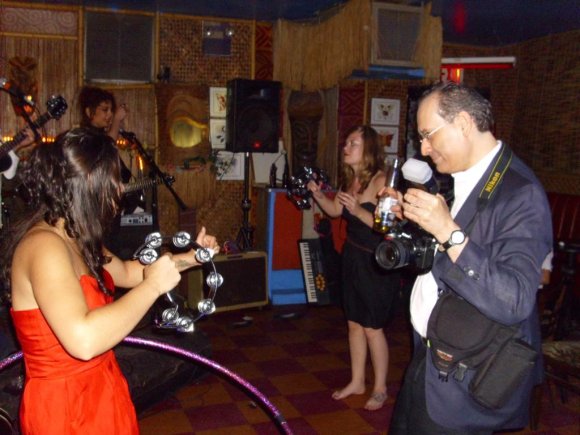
point(457, 237)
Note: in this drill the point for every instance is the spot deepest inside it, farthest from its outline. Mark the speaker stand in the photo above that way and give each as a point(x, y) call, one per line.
point(245, 239)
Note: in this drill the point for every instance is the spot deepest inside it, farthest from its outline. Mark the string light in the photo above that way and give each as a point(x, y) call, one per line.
point(43, 139)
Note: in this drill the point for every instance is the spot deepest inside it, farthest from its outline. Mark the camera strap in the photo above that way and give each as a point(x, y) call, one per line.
point(500, 167)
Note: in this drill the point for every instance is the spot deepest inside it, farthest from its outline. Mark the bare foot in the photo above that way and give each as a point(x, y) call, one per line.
point(347, 391)
point(376, 401)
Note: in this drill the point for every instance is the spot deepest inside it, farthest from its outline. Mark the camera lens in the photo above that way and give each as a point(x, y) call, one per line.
point(394, 253)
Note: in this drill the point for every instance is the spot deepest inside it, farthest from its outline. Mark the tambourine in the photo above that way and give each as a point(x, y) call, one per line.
point(169, 316)
point(298, 192)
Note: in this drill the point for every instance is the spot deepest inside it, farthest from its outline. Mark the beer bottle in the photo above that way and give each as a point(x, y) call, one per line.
point(384, 218)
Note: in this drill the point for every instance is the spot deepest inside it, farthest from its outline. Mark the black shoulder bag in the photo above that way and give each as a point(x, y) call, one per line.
point(460, 337)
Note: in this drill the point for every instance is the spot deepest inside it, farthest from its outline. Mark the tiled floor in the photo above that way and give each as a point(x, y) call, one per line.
point(296, 356)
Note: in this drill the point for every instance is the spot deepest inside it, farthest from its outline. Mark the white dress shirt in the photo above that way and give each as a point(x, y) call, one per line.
point(424, 294)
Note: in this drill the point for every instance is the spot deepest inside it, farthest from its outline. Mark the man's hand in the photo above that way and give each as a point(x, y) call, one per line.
point(395, 208)
point(430, 212)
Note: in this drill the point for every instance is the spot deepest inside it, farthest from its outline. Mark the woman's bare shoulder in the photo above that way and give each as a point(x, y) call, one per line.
point(40, 240)
point(377, 182)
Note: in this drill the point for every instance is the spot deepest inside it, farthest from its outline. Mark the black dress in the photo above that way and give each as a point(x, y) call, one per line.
point(369, 292)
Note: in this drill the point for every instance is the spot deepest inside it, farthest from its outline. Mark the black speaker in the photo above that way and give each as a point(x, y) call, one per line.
point(252, 116)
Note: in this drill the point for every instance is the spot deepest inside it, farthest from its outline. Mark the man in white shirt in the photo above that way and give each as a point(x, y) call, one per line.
point(491, 256)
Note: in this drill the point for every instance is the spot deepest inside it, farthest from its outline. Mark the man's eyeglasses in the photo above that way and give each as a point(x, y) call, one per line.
point(428, 135)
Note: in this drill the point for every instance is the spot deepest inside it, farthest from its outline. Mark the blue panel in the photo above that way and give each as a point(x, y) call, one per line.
point(284, 286)
point(288, 297)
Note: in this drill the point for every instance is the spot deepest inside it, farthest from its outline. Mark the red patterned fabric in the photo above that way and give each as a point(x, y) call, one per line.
point(351, 107)
point(264, 63)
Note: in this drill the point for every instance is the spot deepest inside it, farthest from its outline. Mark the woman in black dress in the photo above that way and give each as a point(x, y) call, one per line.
point(368, 291)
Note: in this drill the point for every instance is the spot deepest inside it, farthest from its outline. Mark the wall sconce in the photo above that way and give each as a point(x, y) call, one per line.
point(217, 38)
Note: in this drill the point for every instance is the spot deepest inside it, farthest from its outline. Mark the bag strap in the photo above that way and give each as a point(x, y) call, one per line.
point(501, 164)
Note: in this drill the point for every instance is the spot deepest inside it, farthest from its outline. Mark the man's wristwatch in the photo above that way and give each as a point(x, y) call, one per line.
point(457, 237)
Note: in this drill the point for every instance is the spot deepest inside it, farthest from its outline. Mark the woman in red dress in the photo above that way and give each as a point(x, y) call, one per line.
point(62, 280)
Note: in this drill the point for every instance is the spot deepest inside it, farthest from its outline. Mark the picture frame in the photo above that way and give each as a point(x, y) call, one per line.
point(389, 138)
point(217, 133)
point(385, 111)
point(230, 166)
point(217, 102)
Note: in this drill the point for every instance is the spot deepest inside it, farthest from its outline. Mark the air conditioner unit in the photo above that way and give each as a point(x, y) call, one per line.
point(118, 47)
point(395, 33)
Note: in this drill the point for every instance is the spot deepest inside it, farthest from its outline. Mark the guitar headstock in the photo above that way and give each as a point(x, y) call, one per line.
point(56, 106)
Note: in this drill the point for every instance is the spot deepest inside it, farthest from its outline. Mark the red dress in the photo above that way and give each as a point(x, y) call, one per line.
point(64, 395)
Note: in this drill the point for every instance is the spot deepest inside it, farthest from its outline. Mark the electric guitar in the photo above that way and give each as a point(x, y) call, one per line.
point(132, 196)
point(56, 107)
point(145, 183)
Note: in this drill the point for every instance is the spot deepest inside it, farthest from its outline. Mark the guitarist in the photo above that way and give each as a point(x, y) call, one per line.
point(100, 113)
point(10, 172)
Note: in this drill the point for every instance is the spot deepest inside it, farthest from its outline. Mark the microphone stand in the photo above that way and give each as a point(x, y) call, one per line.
point(167, 181)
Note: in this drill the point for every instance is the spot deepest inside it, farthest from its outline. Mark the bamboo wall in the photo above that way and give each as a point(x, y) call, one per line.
point(534, 103)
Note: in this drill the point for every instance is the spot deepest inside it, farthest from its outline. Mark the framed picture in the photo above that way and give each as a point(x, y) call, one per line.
point(389, 137)
point(385, 111)
point(217, 102)
point(217, 133)
point(230, 166)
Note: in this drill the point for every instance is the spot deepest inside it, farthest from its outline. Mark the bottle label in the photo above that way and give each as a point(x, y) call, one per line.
point(384, 218)
point(386, 203)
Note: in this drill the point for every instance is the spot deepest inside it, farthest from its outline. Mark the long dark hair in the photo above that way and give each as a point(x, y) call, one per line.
point(373, 159)
point(76, 178)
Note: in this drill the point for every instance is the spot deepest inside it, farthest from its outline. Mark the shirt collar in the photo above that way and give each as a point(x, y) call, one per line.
point(465, 181)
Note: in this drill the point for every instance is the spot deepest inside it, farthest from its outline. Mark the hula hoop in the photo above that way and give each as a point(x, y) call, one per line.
point(263, 401)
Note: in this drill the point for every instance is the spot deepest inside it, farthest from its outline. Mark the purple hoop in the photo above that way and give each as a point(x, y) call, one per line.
point(10, 359)
point(263, 401)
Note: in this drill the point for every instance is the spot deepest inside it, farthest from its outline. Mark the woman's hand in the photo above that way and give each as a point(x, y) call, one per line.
point(314, 187)
point(162, 274)
point(207, 241)
point(121, 113)
point(350, 203)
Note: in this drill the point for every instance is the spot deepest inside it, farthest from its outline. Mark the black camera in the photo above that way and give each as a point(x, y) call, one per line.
point(407, 245)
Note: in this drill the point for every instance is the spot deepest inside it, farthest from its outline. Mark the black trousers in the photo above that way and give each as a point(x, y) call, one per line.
point(410, 416)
